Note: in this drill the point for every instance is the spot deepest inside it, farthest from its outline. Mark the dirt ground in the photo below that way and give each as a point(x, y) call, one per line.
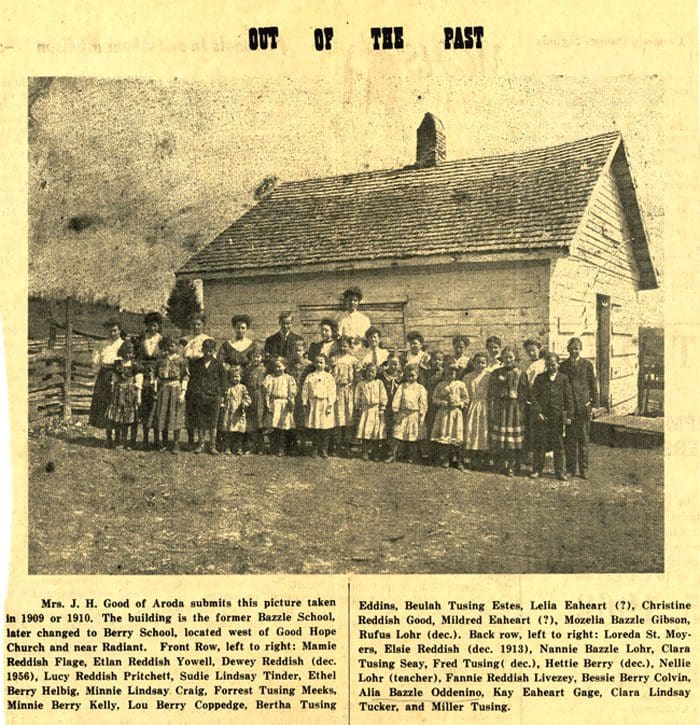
point(99, 511)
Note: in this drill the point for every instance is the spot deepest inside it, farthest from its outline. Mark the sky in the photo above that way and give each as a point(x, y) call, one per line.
point(129, 177)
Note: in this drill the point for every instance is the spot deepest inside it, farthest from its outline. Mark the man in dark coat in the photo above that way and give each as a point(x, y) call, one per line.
point(282, 343)
point(552, 405)
point(204, 395)
point(585, 389)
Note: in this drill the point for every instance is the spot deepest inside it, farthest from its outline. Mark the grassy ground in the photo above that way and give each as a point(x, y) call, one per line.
point(114, 512)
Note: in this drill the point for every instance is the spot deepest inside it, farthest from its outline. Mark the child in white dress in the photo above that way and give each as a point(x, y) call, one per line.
point(280, 393)
point(450, 398)
point(476, 418)
point(345, 370)
point(410, 406)
point(318, 399)
point(370, 403)
point(233, 417)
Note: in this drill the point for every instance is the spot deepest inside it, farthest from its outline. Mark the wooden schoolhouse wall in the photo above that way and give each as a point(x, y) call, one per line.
point(508, 299)
point(601, 263)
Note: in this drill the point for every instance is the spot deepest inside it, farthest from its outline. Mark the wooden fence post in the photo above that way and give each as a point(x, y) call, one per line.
point(52, 334)
point(68, 367)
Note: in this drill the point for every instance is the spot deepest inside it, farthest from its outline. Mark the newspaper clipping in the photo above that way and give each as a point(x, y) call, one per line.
point(339, 391)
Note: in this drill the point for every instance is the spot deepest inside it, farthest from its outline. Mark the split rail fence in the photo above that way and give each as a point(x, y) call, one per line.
point(60, 374)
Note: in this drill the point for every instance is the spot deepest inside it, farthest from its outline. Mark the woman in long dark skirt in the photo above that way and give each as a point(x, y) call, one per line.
point(103, 363)
point(194, 351)
point(239, 350)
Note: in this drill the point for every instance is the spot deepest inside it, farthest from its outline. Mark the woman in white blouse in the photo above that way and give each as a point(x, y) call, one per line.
point(193, 348)
point(353, 323)
point(103, 364)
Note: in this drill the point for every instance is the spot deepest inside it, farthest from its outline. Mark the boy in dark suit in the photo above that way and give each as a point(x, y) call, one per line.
point(585, 389)
point(207, 388)
point(282, 343)
point(552, 406)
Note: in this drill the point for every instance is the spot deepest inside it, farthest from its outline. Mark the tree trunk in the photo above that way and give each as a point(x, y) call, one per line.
point(68, 369)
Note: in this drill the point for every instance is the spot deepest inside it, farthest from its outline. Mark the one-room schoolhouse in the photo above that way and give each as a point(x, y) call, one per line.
point(548, 243)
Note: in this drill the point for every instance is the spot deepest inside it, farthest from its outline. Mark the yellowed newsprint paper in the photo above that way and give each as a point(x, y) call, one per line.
point(351, 362)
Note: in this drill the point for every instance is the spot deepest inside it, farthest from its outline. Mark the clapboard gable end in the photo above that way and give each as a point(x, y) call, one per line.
point(611, 230)
point(608, 264)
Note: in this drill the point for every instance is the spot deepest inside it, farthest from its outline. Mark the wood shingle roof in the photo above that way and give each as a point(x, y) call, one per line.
point(516, 202)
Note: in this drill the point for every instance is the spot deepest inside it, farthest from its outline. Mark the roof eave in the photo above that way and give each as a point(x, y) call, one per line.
point(649, 276)
point(487, 256)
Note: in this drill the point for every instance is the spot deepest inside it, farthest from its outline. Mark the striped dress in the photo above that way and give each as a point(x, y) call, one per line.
point(126, 385)
point(172, 376)
point(507, 396)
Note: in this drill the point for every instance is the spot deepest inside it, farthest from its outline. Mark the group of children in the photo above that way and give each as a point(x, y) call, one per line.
point(480, 411)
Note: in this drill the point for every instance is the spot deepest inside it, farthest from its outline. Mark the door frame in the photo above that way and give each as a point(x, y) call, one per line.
point(603, 310)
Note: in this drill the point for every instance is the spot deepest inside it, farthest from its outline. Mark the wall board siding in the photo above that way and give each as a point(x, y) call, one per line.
point(624, 345)
point(623, 366)
point(507, 299)
point(390, 318)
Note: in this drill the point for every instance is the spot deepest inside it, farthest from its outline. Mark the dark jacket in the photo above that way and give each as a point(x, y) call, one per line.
point(275, 345)
point(315, 349)
point(508, 383)
point(552, 398)
point(146, 363)
point(391, 385)
point(207, 382)
point(583, 383)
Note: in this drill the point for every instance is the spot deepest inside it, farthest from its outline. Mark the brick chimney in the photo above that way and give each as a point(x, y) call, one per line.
point(431, 148)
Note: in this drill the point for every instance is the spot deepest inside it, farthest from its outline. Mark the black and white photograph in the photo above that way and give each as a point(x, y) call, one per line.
point(403, 327)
